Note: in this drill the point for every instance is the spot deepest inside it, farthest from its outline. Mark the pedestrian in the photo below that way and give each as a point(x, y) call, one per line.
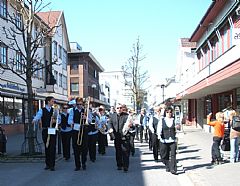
point(121, 142)
point(234, 139)
point(66, 131)
point(48, 116)
point(132, 131)
point(166, 130)
point(218, 135)
point(78, 116)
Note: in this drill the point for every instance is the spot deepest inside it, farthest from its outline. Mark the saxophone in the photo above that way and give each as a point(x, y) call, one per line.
point(54, 120)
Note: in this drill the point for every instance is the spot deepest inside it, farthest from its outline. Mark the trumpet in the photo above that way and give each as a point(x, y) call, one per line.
point(81, 130)
point(54, 120)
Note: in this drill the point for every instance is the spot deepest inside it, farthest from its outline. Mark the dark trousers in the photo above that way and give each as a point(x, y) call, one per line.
point(137, 128)
point(122, 148)
point(150, 145)
point(92, 140)
point(50, 151)
point(101, 143)
point(155, 146)
point(66, 140)
point(167, 150)
point(80, 150)
point(131, 142)
point(216, 155)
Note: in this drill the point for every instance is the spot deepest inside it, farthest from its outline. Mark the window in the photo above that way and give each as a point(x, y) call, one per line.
point(74, 67)
point(64, 60)
point(3, 8)
point(19, 62)
point(64, 82)
point(40, 71)
point(60, 51)
point(55, 48)
point(19, 20)
point(74, 87)
point(3, 54)
point(56, 76)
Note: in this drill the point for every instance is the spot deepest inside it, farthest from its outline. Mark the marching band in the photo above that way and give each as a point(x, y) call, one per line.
point(84, 127)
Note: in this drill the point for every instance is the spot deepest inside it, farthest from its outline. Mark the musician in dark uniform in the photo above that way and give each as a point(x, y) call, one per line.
point(153, 123)
point(166, 130)
point(45, 115)
point(121, 143)
point(77, 119)
point(92, 136)
point(66, 130)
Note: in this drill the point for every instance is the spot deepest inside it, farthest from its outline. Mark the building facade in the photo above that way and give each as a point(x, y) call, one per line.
point(210, 80)
point(83, 77)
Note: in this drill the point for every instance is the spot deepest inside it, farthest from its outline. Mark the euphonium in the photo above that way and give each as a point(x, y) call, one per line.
point(130, 121)
point(54, 119)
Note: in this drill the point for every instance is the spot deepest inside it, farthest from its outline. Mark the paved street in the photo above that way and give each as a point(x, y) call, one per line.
point(194, 158)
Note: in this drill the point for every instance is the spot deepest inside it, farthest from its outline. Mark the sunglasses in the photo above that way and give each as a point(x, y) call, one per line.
point(79, 104)
point(119, 107)
point(169, 112)
point(65, 107)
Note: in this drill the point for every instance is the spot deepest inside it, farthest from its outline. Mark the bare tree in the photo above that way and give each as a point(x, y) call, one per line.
point(134, 76)
point(27, 36)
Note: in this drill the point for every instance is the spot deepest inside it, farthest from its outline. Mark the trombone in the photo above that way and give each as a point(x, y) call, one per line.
point(81, 130)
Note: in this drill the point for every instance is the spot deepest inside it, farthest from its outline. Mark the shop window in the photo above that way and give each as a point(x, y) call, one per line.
point(9, 114)
point(18, 110)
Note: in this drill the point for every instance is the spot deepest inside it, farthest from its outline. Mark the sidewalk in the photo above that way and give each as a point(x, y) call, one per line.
point(195, 157)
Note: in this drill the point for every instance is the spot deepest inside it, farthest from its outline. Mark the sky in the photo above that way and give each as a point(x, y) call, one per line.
point(109, 28)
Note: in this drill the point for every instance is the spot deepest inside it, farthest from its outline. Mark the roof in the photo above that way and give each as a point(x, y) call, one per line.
point(212, 12)
point(50, 18)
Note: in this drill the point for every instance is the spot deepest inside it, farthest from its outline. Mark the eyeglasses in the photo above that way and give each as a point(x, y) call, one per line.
point(119, 107)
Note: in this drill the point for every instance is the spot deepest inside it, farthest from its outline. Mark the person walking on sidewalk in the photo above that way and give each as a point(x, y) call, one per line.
point(234, 139)
point(45, 115)
point(218, 135)
point(166, 130)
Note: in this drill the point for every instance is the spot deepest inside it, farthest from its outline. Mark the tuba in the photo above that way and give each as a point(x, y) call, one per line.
point(83, 125)
point(54, 120)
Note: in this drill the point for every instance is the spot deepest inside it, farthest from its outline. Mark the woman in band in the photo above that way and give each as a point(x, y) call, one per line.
point(166, 130)
point(66, 130)
point(102, 126)
point(77, 119)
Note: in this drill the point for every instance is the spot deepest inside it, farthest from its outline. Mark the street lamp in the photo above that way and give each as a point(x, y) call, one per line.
point(163, 86)
point(93, 89)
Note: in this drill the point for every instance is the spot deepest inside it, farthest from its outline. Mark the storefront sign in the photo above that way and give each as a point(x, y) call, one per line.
point(236, 36)
point(12, 86)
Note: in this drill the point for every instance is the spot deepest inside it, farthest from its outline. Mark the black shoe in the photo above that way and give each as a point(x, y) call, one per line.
point(133, 153)
point(174, 172)
point(125, 169)
point(84, 167)
point(119, 168)
point(52, 169)
point(77, 169)
point(93, 160)
point(167, 169)
point(46, 168)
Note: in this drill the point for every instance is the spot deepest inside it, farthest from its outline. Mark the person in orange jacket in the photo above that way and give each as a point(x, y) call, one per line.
point(218, 135)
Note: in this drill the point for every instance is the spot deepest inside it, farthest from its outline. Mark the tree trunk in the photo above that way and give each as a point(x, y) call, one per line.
point(30, 133)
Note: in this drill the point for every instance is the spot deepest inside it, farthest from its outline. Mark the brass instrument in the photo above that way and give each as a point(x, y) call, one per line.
point(130, 121)
point(54, 119)
point(81, 130)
